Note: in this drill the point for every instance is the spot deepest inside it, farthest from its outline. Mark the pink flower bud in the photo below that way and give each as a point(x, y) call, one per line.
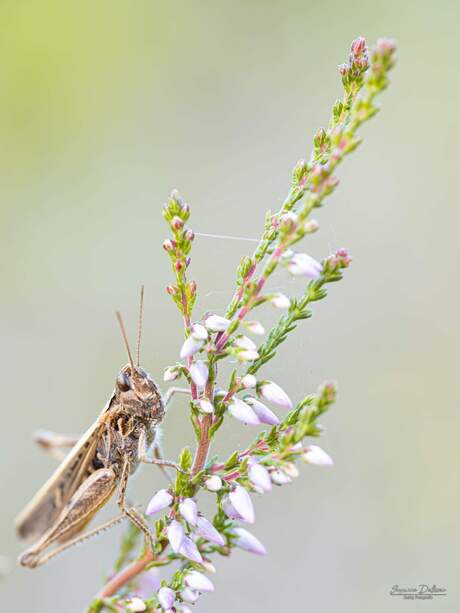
point(169, 245)
point(274, 393)
point(304, 265)
point(189, 511)
point(242, 503)
point(199, 582)
point(190, 550)
point(166, 596)
point(176, 535)
point(177, 223)
point(205, 529)
point(214, 483)
point(247, 541)
point(255, 327)
point(243, 412)
point(263, 413)
point(161, 500)
point(358, 46)
point(280, 301)
point(317, 456)
point(171, 290)
point(190, 235)
point(199, 373)
point(190, 347)
point(248, 381)
point(260, 477)
point(216, 323)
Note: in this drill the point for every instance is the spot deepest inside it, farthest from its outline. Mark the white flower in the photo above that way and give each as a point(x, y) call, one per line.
point(199, 373)
point(214, 483)
point(247, 541)
point(317, 456)
point(205, 529)
point(216, 323)
point(243, 412)
point(247, 355)
point(189, 595)
point(291, 470)
point(260, 477)
point(161, 500)
point(280, 301)
point(248, 381)
point(190, 347)
point(199, 582)
point(304, 265)
point(274, 393)
point(136, 605)
point(255, 327)
point(176, 535)
point(263, 413)
point(171, 373)
point(166, 596)
point(245, 343)
point(206, 406)
point(279, 477)
point(189, 511)
point(190, 550)
point(199, 332)
point(242, 503)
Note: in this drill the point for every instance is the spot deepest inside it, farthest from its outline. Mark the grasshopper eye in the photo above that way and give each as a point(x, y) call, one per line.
point(123, 382)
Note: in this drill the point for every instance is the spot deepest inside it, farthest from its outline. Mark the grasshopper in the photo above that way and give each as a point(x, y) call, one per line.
point(99, 463)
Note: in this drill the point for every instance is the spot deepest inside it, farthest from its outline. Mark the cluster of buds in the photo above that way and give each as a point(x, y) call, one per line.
point(358, 63)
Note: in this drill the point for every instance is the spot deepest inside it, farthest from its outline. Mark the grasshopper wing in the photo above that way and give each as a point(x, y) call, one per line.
point(45, 506)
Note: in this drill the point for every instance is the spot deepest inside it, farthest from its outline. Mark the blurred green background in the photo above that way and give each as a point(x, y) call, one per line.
point(107, 106)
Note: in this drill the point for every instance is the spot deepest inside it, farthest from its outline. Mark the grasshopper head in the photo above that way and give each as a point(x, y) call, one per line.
point(138, 393)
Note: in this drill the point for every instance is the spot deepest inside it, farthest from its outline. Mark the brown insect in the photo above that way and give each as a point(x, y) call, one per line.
point(99, 463)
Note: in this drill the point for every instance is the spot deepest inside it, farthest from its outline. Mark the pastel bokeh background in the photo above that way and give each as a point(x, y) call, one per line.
point(104, 108)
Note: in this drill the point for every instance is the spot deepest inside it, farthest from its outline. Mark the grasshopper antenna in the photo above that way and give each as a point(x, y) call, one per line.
point(139, 327)
point(125, 338)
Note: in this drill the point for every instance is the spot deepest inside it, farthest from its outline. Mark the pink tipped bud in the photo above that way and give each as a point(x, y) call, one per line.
point(216, 323)
point(199, 582)
point(177, 223)
point(255, 327)
point(317, 456)
point(243, 412)
point(274, 393)
point(199, 332)
point(280, 301)
point(248, 381)
point(190, 235)
point(303, 265)
point(190, 550)
point(205, 529)
point(161, 500)
point(213, 484)
point(189, 511)
point(358, 46)
point(176, 535)
point(172, 291)
point(168, 244)
point(242, 503)
point(190, 347)
point(260, 477)
point(247, 541)
point(199, 373)
point(166, 596)
point(263, 413)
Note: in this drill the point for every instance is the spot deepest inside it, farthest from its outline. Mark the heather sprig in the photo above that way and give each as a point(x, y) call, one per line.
point(185, 539)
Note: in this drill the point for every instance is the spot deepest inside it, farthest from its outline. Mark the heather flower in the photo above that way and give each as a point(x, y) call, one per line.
point(205, 529)
point(304, 265)
point(291, 470)
point(190, 550)
point(176, 535)
point(199, 332)
point(214, 483)
point(166, 597)
point(190, 347)
point(248, 381)
point(171, 373)
point(148, 583)
point(245, 343)
point(199, 582)
point(199, 373)
point(260, 477)
point(255, 327)
point(279, 477)
point(243, 412)
point(189, 595)
point(274, 393)
point(280, 301)
point(185, 609)
point(215, 323)
point(242, 503)
point(247, 541)
point(189, 511)
point(229, 509)
point(136, 605)
point(161, 500)
point(206, 405)
point(263, 413)
point(247, 355)
point(317, 456)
